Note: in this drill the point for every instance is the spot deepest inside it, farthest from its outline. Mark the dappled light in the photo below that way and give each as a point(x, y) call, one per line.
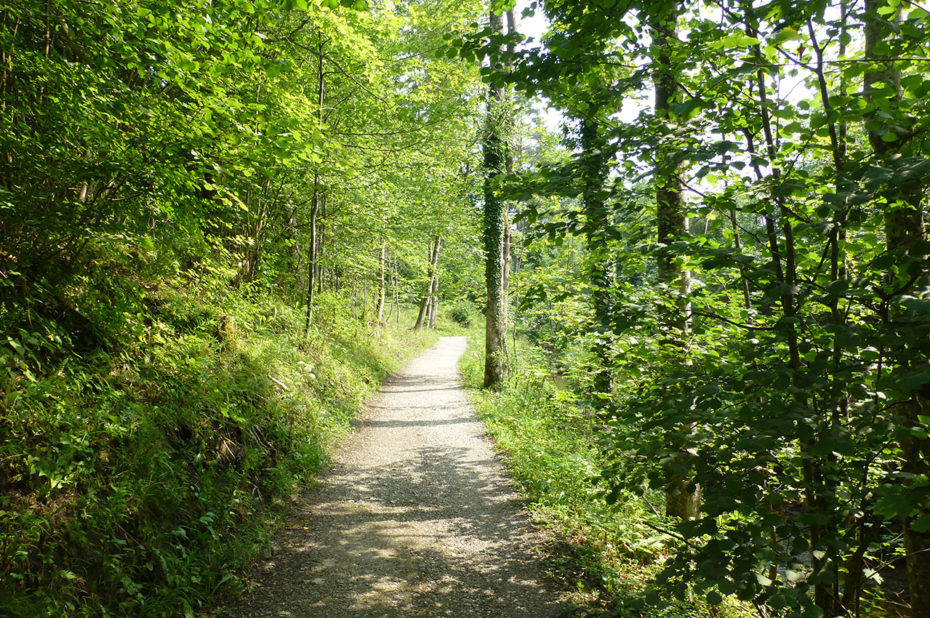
point(686, 242)
point(415, 518)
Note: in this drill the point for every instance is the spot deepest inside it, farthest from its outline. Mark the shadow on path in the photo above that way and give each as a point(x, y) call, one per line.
point(415, 518)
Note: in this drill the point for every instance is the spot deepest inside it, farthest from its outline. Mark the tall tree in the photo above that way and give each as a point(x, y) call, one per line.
point(889, 132)
point(494, 220)
point(683, 495)
point(317, 198)
point(594, 157)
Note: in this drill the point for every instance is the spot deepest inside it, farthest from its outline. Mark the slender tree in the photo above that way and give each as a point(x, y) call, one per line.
point(423, 317)
point(382, 288)
point(313, 274)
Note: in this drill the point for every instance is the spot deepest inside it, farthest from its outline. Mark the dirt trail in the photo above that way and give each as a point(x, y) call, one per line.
point(415, 518)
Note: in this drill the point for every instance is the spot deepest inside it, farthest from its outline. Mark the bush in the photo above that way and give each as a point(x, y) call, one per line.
point(462, 313)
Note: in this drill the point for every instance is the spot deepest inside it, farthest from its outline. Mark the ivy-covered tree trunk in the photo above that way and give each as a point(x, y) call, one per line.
point(683, 496)
point(904, 232)
point(506, 257)
point(594, 171)
point(505, 268)
point(493, 147)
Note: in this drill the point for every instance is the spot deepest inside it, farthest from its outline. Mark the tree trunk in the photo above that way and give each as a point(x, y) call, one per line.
point(904, 231)
point(314, 209)
point(379, 313)
point(505, 251)
point(295, 249)
point(598, 265)
point(425, 304)
point(321, 244)
point(683, 497)
point(505, 278)
point(363, 306)
point(434, 285)
point(311, 270)
point(394, 280)
point(434, 303)
point(493, 150)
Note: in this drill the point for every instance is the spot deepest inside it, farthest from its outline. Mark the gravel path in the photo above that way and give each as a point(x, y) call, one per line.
point(416, 518)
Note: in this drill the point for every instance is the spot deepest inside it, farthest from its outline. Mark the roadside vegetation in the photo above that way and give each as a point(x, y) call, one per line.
point(208, 261)
point(608, 553)
point(212, 215)
point(143, 479)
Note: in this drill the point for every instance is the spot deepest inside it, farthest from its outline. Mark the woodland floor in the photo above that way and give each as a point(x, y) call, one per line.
point(415, 518)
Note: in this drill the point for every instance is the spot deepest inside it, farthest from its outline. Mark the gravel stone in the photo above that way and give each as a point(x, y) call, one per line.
point(415, 518)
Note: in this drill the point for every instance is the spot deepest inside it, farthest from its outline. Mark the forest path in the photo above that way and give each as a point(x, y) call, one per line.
point(416, 517)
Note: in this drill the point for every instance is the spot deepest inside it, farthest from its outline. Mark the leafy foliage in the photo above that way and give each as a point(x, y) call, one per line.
point(171, 173)
point(145, 480)
point(797, 325)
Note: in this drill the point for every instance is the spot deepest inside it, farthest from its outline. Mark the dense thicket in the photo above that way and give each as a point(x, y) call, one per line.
point(747, 182)
point(203, 129)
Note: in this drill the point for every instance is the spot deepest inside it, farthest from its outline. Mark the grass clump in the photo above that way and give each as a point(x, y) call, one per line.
point(607, 553)
point(137, 478)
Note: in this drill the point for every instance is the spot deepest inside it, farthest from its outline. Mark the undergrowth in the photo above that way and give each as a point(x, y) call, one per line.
point(138, 476)
point(608, 554)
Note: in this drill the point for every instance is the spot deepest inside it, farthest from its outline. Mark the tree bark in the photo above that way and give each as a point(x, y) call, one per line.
point(295, 248)
point(425, 304)
point(394, 278)
point(379, 313)
point(683, 496)
point(904, 231)
point(594, 174)
point(434, 285)
point(434, 303)
point(315, 207)
point(321, 243)
point(506, 250)
point(311, 270)
point(493, 150)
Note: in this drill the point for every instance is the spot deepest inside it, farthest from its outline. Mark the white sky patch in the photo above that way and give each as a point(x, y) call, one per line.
point(534, 27)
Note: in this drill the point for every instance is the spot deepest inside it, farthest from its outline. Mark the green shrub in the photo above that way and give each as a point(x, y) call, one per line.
point(608, 553)
point(462, 312)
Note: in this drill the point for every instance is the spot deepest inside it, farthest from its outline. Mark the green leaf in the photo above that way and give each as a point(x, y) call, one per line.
point(16, 345)
point(921, 524)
